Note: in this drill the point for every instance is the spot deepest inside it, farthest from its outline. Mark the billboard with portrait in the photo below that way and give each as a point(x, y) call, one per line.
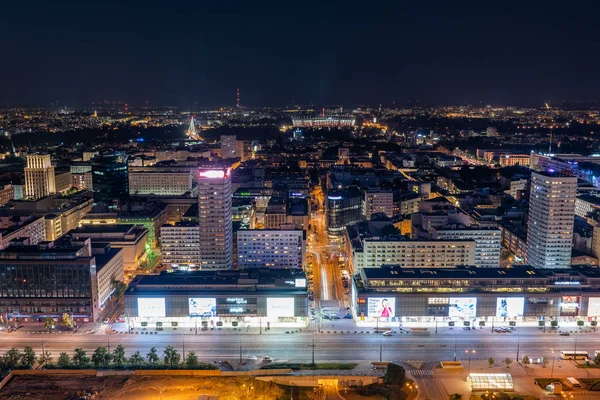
point(569, 306)
point(280, 307)
point(202, 307)
point(381, 307)
point(593, 307)
point(510, 306)
point(151, 307)
point(464, 307)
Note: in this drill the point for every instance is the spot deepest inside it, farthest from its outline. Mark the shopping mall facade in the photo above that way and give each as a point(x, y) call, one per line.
point(470, 296)
point(265, 297)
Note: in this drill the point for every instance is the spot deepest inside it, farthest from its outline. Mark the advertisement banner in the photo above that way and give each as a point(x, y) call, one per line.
point(151, 307)
point(593, 307)
point(280, 307)
point(569, 306)
point(202, 307)
point(510, 306)
point(381, 307)
point(236, 306)
point(464, 307)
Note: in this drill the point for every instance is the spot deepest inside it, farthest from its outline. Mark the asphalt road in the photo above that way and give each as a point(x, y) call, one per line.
point(328, 347)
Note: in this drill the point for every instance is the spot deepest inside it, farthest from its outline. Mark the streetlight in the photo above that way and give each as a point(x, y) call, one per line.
point(455, 347)
point(553, 359)
point(518, 343)
point(469, 352)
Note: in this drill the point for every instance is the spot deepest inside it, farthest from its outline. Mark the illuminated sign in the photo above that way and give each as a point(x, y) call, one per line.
point(437, 300)
point(202, 307)
point(151, 307)
point(214, 173)
point(300, 282)
point(510, 306)
point(568, 283)
point(280, 307)
point(236, 300)
point(334, 197)
point(464, 307)
point(381, 307)
point(593, 307)
point(569, 306)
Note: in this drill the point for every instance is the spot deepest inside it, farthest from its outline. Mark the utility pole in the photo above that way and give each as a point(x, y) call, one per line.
point(518, 343)
point(455, 347)
point(380, 347)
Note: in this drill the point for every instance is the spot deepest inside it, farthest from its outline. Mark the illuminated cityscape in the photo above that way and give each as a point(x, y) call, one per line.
point(404, 205)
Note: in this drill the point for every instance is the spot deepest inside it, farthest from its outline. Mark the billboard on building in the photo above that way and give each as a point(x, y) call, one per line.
point(236, 305)
point(437, 306)
point(280, 307)
point(464, 307)
point(569, 306)
point(203, 307)
point(510, 306)
point(593, 307)
point(381, 307)
point(152, 307)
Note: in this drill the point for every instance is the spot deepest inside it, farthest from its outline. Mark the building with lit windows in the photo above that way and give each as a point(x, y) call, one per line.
point(343, 208)
point(110, 179)
point(487, 242)
point(180, 245)
point(215, 218)
point(39, 176)
point(228, 146)
point(378, 201)
point(258, 248)
point(551, 220)
point(144, 183)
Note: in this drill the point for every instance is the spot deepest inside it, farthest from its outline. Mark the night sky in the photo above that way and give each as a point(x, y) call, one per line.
point(301, 52)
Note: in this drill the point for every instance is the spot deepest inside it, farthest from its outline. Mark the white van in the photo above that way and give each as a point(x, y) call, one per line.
point(573, 382)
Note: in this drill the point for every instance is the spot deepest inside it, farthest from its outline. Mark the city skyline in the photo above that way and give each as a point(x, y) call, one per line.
point(335, 53)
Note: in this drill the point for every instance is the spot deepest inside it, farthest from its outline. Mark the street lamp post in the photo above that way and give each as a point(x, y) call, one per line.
point(455, 347)
point(380, 347)
point(553, 359)
point(518, 345)
point(469, 352)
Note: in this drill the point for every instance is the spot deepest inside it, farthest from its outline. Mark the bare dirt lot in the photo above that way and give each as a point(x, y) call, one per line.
point(54, 387)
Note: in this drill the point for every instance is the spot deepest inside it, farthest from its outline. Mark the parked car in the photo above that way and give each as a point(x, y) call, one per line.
point(267, 359)
point(564, 333)
point(387, 333)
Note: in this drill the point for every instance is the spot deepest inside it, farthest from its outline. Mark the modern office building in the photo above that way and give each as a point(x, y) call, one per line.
point(378, 201)
point(253, 298)
point(39, 176)
point(228, 146)
point(215, 217)
point(277, 249)
point(110, 179)
point(81, 176)
point(142, 183)
point(343, 208)
point(551, 219)
point(26, 226)
point(54, 278)
point(180, 245)
point(487, 242)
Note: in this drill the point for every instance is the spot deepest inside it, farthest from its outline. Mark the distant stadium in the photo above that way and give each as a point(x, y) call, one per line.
point(327, 121)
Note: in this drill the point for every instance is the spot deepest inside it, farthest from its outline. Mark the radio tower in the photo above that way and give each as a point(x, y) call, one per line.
point(237, 103)
point(191, 132)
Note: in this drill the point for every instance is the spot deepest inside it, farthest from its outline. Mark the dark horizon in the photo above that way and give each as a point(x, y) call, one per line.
point(520, 54)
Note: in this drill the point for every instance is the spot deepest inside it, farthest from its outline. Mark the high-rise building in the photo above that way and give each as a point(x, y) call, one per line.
point(110, 179)
point(343, 208)
point(39, 176)
point(551, 219)
point(259, 248)
point(214, 217)
point(228, 146)
point(487, 242)
point(180, 244)
point(378, 201)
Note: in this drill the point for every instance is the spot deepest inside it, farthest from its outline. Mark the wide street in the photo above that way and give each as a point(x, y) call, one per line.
point(328, 347)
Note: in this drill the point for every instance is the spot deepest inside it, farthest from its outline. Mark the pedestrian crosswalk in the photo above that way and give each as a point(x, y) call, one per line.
point(419, 372)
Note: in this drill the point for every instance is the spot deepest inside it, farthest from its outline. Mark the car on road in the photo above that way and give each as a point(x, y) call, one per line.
point(325, 316)
point(333, 316)
point(348, 316)
point(387, 333)
point(267, 359)
point(564, 333)
point(252, 358)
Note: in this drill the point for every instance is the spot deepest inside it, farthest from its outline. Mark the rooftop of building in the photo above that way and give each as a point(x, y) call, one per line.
point(103, 259)
point(590, 199)
point(102, 228)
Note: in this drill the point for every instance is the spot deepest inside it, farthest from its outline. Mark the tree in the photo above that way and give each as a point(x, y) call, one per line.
point(508, 361)
point(101, 357)
point(394, 374)
point(152, 356)
point(11, 358)
point(171, 356)
point(491, 362)
point(597, 358)
point(120, 288)
point(80, 358)
point(45, 357)
point(49, 324)
point(544, 362)
point(191, 360)
point(118, 356)
point(136, 359)
point(63, 360)
point(67, 322)
point(526, 360)
point(28, 357)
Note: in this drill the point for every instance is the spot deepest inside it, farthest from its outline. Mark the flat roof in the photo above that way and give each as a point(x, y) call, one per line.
point(102, 228)
point(103, 259)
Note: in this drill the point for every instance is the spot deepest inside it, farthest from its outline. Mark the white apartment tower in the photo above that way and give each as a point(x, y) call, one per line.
point(551, 219)
point(378, 201)
point(228, 146)
point(39, 176)
point(214, 216)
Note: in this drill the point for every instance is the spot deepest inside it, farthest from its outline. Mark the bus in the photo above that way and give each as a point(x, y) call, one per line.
point(574, 355)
